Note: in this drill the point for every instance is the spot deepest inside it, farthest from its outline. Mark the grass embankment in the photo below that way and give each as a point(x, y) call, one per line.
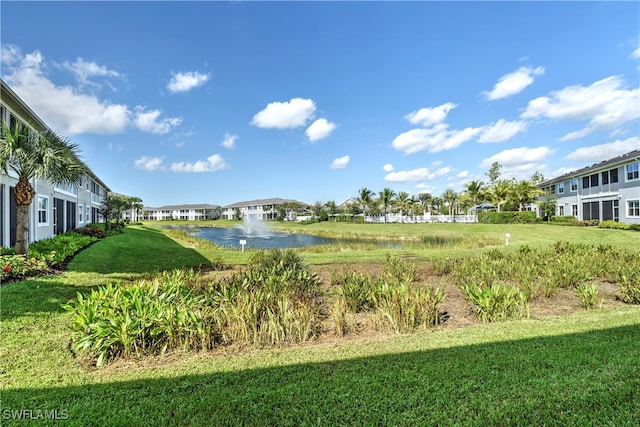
point(570, 370)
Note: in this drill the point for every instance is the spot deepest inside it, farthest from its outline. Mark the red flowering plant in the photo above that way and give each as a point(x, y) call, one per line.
point(17, 266)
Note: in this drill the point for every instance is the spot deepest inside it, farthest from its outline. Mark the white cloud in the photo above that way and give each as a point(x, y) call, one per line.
point(67, 109)
point(285, 115)
point(213, 163)
point(388, 167)
point(430, 116)
point(433, 140)
point(463, 174)
point(518, 156)
point(229, 141)
point(600, 152)
point(419, 174)
point(149, 121)
point(513, 83)
point(340, 162)
point(149, 163)
point(320, 129)
point(636, 53)
point(85, 70)
point(501, 131)
point(183, 82)
point(114, 147)
point(605, 104)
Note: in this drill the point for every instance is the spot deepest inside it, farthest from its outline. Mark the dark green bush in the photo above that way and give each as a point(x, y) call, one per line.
point(57, 249)
point(511, 217)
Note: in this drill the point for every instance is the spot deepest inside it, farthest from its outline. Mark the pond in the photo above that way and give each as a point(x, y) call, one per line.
point(256, 239)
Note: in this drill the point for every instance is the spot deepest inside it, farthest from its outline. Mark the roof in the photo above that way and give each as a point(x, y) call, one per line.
point(34, 121)
point(619, 160)
point(263, 202)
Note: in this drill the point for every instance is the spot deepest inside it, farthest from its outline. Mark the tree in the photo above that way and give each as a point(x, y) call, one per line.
point(331, 208)
point(523, 192)
point(548, 205)
point(499, 193)
point(450, 196)
point(386, 198)
point(475, 191)
point(365, 197)
point(31, 155)
point(425, 200)
point(537, 178)
point(494, 173)
point(402, 202)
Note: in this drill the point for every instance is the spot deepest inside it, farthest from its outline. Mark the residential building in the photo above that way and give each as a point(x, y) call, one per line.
point(263, 209)
point(608, 190)
point(55, 208)
point(183, 212)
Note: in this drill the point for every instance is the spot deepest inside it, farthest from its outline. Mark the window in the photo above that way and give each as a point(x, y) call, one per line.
point(561, 210)
point(574, 184)
point(574, 210)
point(610, 176)
point(88, 212)
point(561, 188)
point(633, 207)
point(80, 213)
point(43, 210)
point(585, 182)
point(632, 171)
point(594, 180)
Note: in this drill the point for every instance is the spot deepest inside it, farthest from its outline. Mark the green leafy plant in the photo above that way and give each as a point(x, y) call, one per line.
point(402, 308)
point(588, 294)
point(496, 302)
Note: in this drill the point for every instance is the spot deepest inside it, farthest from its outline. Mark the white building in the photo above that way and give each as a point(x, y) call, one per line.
point(263, 209)
point(609, 190)
point(181, 212)
point(55, 209)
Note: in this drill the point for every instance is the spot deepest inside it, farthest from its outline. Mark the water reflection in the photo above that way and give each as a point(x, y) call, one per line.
point(268, 239)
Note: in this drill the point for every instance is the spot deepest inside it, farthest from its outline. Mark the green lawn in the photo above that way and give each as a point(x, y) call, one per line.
point(579, 369)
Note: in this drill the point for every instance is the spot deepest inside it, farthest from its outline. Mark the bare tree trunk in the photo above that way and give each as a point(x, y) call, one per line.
point(22, 230)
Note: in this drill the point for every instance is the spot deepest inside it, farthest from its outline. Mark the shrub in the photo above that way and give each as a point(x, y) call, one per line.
point(399, 270)
point(517, 217)
point(61, 247)
point(564, 219)
point(496, 302)
point(614, 224)
point(402, 308)
point(588, 294)
point(356, 289)
point(18, 266)
point(634, 227)
point(144, 318)
point(92, 230)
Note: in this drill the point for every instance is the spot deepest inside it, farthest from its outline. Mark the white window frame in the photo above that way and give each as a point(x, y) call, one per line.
point(574, 210)
point(560, 188)
point(88, 214)
point(45, 199)
point(81, 214)
point(636, 208)
point(574, 184)
point(635, 171)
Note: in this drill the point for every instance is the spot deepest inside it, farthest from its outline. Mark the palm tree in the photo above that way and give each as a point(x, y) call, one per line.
point(31, 155)
point(475, 190)
point(499, 193)
point(401, 202)
point(332, 208)
point(524, 191)
point(365, 197)
point(386, 198)
point(450, 196)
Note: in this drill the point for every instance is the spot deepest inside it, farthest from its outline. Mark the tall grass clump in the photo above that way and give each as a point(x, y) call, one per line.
point(356, 289)
point(496, 302)
point(588, 294)
point(402, 308)
point(270, 303)
point(399, 270)
point(149, 317)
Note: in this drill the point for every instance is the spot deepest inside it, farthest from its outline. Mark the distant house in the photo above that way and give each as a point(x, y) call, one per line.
point(263, 209)
point(609, 190)
point(181, 212)
point(55, 208)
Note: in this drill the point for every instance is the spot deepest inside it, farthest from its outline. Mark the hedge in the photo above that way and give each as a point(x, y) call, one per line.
point(523, 217)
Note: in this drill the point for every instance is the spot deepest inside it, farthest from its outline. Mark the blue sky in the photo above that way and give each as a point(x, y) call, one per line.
point(216, 102)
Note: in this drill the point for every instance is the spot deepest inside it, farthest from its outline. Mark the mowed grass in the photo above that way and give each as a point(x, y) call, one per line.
point(580, 369)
